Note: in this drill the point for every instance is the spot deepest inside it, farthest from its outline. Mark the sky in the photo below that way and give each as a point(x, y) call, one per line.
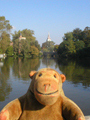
point(55, 17)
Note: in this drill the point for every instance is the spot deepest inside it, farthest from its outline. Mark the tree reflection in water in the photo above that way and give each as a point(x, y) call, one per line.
point(5, 84)
point(76, 71)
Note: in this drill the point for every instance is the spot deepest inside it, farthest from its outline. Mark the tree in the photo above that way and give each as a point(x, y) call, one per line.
point(5, 28)
point(10, 51)
point(87, 36)
point(37, 45)
point(34, 51)
point(76, 43)
point(77, 34)
point(68, 36)
point(4, 25)
point(5, 41)
point(62, 49)
point(71, 47)
point(79, 45)
point(49, 45)
point(56, 48)
point(66, 48)
point(23, 46)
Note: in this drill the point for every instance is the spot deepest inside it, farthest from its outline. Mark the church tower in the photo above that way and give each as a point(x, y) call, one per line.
point(48, 38)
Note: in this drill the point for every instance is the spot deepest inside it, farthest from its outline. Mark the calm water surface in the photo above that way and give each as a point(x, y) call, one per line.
point(14, 79)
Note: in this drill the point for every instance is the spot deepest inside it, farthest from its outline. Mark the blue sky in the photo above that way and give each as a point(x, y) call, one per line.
point(42, 16)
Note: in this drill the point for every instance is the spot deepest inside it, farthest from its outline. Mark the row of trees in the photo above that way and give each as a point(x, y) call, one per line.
point(23, 47)
point(75, 44)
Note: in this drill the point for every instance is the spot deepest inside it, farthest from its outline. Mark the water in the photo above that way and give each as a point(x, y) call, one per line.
point(14, 79)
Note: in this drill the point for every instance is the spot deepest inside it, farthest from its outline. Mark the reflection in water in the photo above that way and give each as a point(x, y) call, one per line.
point(22, 67)
point(14, 79)
point(75, 72)
point(48, 62)
point(1, 64)
point(5, 86)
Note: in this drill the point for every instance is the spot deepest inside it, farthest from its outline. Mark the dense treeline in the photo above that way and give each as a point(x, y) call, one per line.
point(75, 44)
point(23, 43)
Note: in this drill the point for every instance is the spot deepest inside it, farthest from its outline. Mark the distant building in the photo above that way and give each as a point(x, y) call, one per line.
point(20, 38)
point(48, 38)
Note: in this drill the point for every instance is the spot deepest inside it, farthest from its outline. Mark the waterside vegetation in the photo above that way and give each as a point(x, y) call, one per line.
point(76, 44)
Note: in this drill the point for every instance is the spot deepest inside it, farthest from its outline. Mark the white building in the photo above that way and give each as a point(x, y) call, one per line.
point(20, 38)
point(48, 38)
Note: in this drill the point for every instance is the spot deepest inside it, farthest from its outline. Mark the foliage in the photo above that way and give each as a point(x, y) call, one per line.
point(79, 45)
point(77, 34)
point(10, 51)
point(76, 71)
point(68, 36)
point(62, 49)
point(75, 43)
point(34, 51)
point(5, 28)
point(5, 41)
point(48, 46)
point(23, 46)
point(4, 25)
point(22, 67)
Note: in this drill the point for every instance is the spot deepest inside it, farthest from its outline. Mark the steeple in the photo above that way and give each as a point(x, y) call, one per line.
point(48, 38)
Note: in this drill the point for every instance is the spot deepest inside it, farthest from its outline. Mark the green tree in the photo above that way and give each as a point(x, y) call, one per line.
point(4, 25)
point(5, 41)
point(22, 46)
point(34, 51)
point(79, 45)
point(68, 36)
point(87, 36)
point(10, 51)
point(67, 47)
point(49, 45)
point(56, 48)
point(62, 49)
point(37, 45)
point(77, 34)
point(5, 28)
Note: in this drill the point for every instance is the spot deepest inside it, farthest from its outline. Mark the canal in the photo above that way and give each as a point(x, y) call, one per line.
point(14, 79)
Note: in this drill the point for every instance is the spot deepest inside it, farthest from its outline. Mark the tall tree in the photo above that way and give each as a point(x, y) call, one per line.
point(77, 34)
point(4, 25)
point(22, 45)
point(87, 36)
point(5, 28)
point(68, 36)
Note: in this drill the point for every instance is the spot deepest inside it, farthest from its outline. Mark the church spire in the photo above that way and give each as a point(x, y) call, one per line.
point(48, 38)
